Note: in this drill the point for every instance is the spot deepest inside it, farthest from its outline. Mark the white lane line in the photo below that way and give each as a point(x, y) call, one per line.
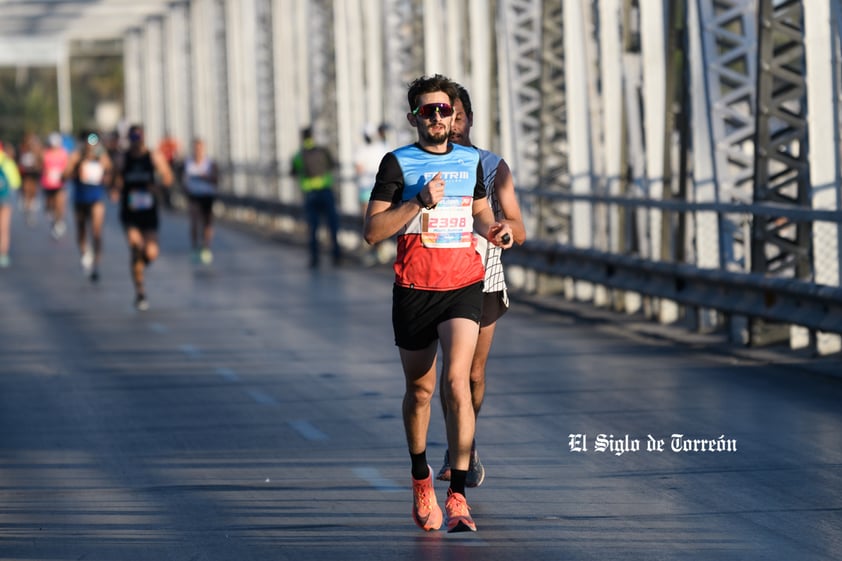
point(228, 374)
point(262, 397)
point(307, 430)
point(374, 478)
point(190, 351)
point(159, 327)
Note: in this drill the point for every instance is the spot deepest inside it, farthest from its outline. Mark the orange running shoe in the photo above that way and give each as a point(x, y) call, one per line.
point(458, 513)
point(425, 510)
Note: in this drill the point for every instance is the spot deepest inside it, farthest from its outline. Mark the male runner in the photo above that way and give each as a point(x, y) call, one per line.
point(137, 186)
point(431, 195)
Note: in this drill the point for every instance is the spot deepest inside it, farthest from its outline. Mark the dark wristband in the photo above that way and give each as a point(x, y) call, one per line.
point(421, 201)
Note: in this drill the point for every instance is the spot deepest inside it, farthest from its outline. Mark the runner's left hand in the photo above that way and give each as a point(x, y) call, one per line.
point(500, 234)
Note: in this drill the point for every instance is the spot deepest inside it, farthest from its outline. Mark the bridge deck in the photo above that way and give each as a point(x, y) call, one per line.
point(254, 413)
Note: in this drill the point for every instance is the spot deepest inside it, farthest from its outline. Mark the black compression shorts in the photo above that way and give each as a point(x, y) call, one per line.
point(143, 220)
point(204, 202)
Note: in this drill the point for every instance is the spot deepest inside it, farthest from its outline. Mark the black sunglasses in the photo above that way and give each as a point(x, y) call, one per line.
point(427, 111)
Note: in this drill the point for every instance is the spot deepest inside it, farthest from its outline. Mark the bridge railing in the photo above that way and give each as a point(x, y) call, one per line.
point(730, 294)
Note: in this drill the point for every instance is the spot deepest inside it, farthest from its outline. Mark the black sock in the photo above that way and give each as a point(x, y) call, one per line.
point(136, 255)
point(457, 480)
point(420, 469)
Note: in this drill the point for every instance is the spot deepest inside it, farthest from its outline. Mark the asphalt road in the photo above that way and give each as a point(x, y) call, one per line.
point(253, 413)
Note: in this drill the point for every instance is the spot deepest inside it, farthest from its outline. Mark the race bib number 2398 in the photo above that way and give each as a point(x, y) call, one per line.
point(449, 224)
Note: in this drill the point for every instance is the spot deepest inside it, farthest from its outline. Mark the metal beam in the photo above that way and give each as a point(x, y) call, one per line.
point(780, 248)
point(822, 26)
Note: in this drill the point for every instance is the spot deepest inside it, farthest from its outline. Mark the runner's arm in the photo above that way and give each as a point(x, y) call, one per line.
point(71, 164)
point(484, 221)
point(387, 213)
point(108, 169)
point(504, 187)
point(163, 168)
point(487, 227)
point(384, 219)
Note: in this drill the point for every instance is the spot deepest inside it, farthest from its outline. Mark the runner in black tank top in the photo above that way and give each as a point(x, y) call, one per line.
point(138, 201)
point(139, 206)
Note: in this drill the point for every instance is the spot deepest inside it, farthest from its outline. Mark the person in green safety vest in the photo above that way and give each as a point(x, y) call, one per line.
point(313, 165)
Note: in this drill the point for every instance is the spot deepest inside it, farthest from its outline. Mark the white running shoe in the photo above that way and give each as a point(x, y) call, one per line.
point(206, 256)
point(87, 260)
point(58, 230)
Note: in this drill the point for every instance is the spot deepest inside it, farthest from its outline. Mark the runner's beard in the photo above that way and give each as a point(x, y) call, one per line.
point(437, 138)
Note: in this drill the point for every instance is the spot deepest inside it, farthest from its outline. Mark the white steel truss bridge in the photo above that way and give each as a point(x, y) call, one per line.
point(675, 157)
